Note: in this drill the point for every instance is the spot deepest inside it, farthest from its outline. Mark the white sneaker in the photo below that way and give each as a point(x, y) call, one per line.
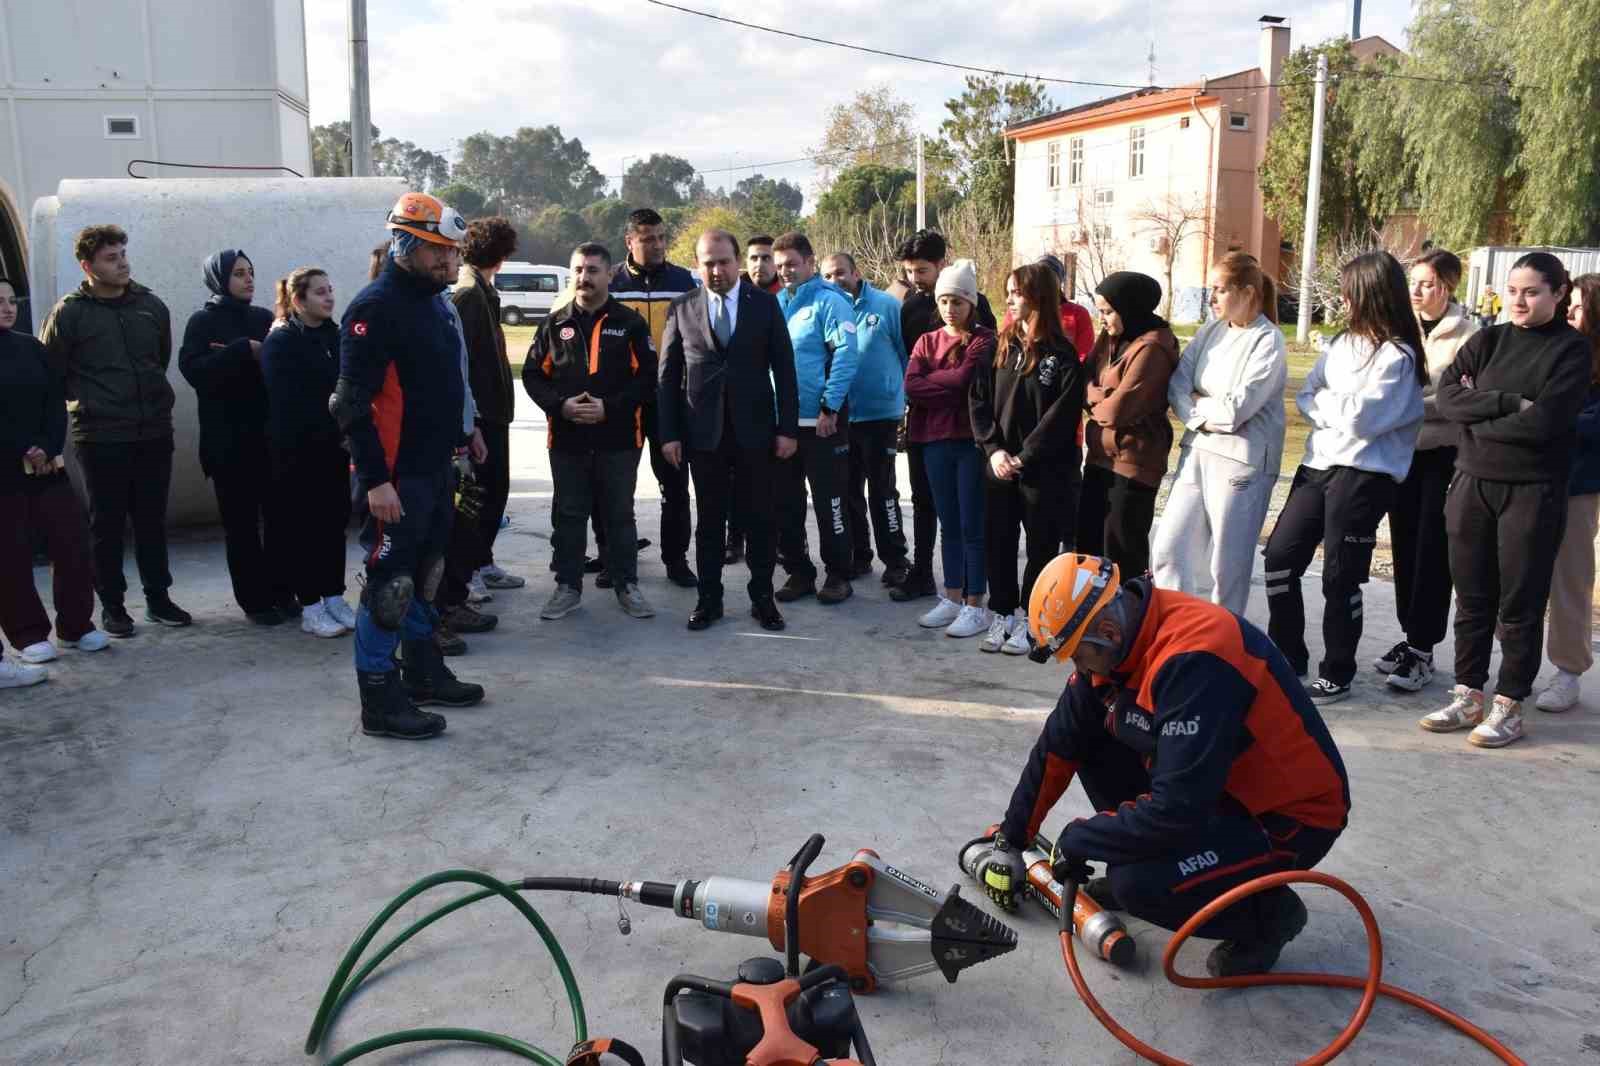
point(42, 652)
point(995, 639)
point(1466, 709)
point(340, 611)
point(633, 603)
point(562, 602)
point(19, 675)
point(94, 640)
point(1503, 725)
point(970, 622)
point(319, 623)
point(477, 591)
point(943, 613)
point(1561, 695)
point(495, 578)
point(1018, 643)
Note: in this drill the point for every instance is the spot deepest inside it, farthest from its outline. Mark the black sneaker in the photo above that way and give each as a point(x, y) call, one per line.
point(290, 609)
point(1282, 916)
point(602, 579)
point(269, 617)
point(796, 588)
point(116, 621)
point(836, 589)
point(591, 565)
point(861, 567)
point(1324, 691)
point(1390, 660)
point(914, 587)
point(895, 575)
point(679, 574)
point(161, 610)
point(1413, 672)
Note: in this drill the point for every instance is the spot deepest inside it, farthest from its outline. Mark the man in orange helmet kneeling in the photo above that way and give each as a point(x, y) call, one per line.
point(1206, 760)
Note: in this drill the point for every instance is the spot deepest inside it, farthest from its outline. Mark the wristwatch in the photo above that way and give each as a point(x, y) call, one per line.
point(823, 408)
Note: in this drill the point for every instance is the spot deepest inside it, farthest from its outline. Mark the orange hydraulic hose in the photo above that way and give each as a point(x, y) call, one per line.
point(1370, 986)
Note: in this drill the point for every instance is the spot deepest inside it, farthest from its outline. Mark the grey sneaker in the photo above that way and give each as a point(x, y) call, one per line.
point(1465, 710)
point(562, 602)
point(1502, 727)
point(633, 603)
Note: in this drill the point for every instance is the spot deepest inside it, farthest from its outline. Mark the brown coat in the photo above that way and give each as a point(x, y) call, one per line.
point(1126, 428)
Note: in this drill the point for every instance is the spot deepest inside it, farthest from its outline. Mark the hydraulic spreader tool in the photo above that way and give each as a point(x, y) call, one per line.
point(860, 924)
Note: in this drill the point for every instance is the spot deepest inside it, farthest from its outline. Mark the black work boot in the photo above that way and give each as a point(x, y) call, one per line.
point(386, 712)
point(1281, 916)
point(796, 588)
point(428, 680)
point(917, 584)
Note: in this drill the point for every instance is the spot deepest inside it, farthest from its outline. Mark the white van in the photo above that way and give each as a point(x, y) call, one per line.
point(528, 290)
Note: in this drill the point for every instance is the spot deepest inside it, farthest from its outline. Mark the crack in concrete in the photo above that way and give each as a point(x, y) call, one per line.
point(28, 981)
point(249, 821)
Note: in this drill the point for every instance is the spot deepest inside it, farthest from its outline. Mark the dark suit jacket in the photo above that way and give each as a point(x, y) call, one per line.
point(755, 374)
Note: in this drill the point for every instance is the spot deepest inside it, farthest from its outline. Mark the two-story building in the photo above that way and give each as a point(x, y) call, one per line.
point(1162, 181)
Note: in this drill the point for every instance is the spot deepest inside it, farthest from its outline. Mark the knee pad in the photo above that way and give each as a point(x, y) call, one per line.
point(389, 599)
point(431, 573)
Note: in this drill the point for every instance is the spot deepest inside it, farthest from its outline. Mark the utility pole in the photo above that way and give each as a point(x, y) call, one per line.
point(1308, 243)
point(922, 200)
point(1355, 20)
point(360, 94)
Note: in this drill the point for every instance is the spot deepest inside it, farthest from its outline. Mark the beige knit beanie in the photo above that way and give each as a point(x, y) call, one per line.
point(960, 278)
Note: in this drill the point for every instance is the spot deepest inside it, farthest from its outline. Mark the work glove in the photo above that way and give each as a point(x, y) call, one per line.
point(1066, 866)
point(1003, 874)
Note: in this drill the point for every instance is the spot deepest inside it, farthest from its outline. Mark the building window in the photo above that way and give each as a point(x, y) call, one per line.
point(1075, 161)
point(1238, 120)
point(1102, 233)
point(1104, 197)
point(122, 126)
point(1136, 152)
point(1052, 164)
point(1183, 123)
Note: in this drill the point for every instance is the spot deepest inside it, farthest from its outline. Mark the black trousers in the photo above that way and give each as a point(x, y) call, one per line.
point(253, 525)
point(824, 463)
point(734, 481)
point(1422, 548)
point(873, 496)
point(311, 491)
point(600, 483)
point(126, 481)
point(1114, 518)
point(924, 517)
point(1167, 889)
point(1503, 543)
point(674, 485)
point(1045, 511)
point(1338, 508)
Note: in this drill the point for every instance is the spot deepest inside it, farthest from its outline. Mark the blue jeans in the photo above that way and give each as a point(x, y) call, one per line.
point(955, 474)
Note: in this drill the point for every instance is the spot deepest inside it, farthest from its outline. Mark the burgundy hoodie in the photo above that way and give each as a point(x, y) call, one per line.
point(938, 381)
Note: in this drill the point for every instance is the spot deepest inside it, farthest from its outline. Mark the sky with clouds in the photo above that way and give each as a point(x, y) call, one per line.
point(629, 78)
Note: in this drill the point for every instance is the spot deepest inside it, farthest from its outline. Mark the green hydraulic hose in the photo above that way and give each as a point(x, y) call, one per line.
point(343, 985)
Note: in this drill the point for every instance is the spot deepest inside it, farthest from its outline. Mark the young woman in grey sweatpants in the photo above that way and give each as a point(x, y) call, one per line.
point(1228, 393)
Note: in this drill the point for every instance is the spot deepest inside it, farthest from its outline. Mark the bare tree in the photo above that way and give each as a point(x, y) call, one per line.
point(1323, 285)
point(979, 230)
point(1171, 222)
point(872, 238)
point(1096, 247)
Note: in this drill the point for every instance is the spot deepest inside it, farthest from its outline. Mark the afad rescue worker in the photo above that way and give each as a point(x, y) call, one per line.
point(1208, 763)
point(399, 401)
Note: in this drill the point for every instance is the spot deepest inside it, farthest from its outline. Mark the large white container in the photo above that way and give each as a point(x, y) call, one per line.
point(173, 225)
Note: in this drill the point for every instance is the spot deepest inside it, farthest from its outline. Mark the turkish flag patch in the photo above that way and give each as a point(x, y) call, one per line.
point(567, 333)
point(359, 329)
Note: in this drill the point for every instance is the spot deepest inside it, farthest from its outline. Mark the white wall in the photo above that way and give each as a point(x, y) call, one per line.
point(173, 225)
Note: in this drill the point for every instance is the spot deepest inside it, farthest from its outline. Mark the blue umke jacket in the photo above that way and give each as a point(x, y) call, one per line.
point(822, 329)
point(1585, 476)
point(878, 393)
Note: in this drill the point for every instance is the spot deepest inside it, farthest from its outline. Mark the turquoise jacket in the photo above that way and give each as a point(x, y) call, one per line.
point(822, 329)
point(879, 391)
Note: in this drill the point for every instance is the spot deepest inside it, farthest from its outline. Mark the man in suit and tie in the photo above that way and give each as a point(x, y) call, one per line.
point(729, 405)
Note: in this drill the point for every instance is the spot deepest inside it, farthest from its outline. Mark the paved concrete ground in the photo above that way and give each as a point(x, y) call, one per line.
point(194, 831)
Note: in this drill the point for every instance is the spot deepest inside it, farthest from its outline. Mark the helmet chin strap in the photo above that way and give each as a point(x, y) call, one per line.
point(1118, 650)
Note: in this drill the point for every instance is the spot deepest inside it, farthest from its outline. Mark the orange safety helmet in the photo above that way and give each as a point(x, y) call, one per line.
point(1066, 595)
point(428, 218)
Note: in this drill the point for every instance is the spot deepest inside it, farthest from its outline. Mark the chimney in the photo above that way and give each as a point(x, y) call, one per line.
point(1273, 48)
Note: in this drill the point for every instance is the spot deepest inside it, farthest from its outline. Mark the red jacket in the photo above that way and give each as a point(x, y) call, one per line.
point(1076, 322)
point(939, 381)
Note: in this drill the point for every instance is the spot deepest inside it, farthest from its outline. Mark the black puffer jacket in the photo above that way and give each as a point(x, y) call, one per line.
point(33, 411)
point(216, 359)
point(301, 367)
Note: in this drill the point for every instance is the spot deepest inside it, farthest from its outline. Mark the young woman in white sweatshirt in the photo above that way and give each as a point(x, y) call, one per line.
point(1363, 399)
point(1228, 392)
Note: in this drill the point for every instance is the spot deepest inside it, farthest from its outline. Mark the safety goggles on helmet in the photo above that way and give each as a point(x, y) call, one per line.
point(428, 218)
point(1065, 597)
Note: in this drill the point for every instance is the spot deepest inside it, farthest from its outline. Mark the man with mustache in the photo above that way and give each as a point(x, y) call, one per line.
point(592, 368)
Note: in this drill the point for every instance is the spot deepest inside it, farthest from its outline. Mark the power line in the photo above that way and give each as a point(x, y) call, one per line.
point(928, 60)
point(816, 157)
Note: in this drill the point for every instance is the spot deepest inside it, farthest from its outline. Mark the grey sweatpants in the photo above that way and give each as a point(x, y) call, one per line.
point(1210, 528)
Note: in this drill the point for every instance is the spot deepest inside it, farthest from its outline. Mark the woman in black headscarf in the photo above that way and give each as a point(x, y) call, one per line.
point(1127, 436)
point(221, 358)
